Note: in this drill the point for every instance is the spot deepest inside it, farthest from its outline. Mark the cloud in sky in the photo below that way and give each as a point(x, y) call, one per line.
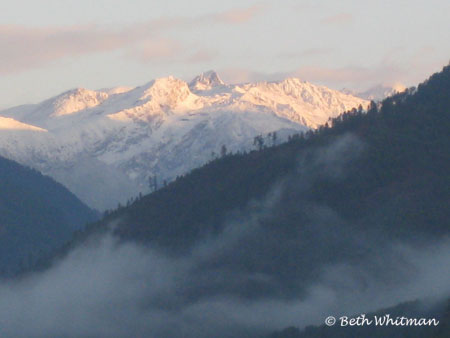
point(157, 49)
point(338, 19)
point(240, 15)
point(26, 47)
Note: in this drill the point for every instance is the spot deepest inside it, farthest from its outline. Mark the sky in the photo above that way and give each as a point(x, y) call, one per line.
point(49, 46)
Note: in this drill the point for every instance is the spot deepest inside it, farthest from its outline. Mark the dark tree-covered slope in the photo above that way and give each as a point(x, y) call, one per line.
point(398, 172)
point(37, 214)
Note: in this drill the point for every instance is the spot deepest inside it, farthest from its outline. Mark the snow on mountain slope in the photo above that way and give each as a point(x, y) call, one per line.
point(298, 101)
point(104, 145)
point(7, 123)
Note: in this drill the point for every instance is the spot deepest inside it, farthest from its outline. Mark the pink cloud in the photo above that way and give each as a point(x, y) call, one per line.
point(240, 15)
point(157, 49)
point(338, 19)
point(24, 47)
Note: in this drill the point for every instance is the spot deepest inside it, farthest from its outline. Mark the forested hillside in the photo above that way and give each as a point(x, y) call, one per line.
point(36, 216)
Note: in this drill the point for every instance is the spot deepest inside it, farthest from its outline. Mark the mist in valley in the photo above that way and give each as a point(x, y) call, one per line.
point(257, 275)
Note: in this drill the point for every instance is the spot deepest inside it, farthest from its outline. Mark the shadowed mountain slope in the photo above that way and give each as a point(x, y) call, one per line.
point(37, 215)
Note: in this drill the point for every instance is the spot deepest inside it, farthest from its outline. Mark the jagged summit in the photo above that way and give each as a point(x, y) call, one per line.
point(206, 81)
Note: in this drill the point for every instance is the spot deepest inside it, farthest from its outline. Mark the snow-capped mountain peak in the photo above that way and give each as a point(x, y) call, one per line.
point(168, 95)
point(167, 90)
point(104, 145)
point(206, 81)
point(76, 100)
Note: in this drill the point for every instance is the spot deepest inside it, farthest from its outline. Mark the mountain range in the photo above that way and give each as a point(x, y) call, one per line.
point(106, 145)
